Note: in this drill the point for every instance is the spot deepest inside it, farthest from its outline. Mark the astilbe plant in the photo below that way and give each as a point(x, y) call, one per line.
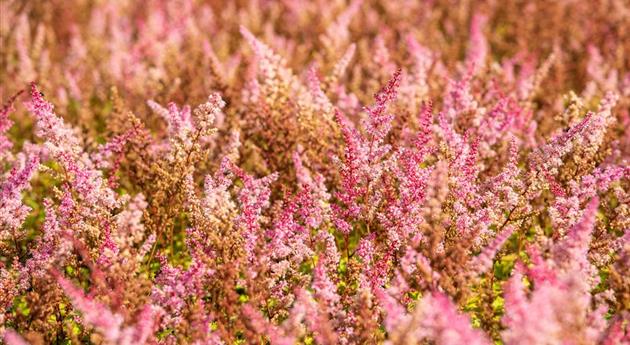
point(345, 172)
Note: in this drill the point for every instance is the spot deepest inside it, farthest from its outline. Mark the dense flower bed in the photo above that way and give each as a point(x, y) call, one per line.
point(315, 172)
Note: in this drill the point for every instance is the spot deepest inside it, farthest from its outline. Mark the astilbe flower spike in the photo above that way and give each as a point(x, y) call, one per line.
point(561, 297)
point(363, 156)
point(435, 319)
point(60, 137)
point(65, 147)
point(483, 262)
point(108, 323)
point(5, 125)
point(253, 198)
point(12, 211)
point(12, 338)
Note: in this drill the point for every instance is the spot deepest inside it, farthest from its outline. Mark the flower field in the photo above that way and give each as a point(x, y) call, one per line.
point(315, 172)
